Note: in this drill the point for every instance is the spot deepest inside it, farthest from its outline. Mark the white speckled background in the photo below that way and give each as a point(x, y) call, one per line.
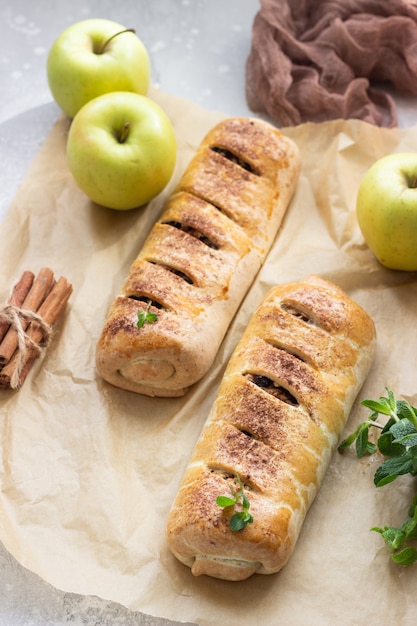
point(198, 50)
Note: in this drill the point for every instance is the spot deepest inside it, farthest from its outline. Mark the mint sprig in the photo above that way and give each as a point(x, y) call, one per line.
point(146, 316)
point(397, 442)
point(396, 537)
point(241, 518)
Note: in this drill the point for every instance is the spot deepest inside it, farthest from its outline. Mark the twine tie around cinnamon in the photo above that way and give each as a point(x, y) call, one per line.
point(14, 315)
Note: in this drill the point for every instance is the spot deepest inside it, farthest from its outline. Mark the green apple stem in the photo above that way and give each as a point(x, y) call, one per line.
point(124, 133)
point(106, 43)
point(412, 182)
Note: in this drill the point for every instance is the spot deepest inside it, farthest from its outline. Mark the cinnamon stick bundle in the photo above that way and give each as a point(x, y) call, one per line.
point(27, 321)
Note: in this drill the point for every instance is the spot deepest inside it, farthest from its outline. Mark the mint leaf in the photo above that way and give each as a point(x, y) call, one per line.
point(409, 528)
point(407, 556)
point(391, 469)
point(412, 511)
point(245, 502)
point(239, 519)
point(404, 432)
point(225, 501)
point(362, 440)
point(346, 443)
point(391, 400)
point(393, 537)
point(363, 445)
point(360, 435)
point(405, 410)
point(387, 447)
point(146, 316)
point(407, 440)
point(382, 406)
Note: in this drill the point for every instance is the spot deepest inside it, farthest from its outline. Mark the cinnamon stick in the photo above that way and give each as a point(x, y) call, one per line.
point(19, 292)
point(16, 370)
point(39, 289)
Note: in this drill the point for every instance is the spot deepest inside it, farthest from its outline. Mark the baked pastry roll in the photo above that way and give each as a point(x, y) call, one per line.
point(280, 410)
point(199, 259)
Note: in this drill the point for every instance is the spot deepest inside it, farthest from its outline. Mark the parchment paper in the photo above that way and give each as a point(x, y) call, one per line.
point(88, 472)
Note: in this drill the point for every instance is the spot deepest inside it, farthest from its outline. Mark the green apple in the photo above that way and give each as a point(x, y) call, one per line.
point(94, 57)
point(121, 150)
point(386, 208)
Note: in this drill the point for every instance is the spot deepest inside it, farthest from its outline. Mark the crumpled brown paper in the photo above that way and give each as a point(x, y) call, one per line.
point(316, 61)
point(88, 472)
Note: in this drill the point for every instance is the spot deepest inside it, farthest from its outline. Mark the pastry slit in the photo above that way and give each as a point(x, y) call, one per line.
point(234, 158)
point(229, 475)
point(213, 204)
point(252, 436)
point(269, 386)
point(300, 313)
point(284, 348)
point(147, 299)
point(246, 432)
point(175, 271)
point(193, 232)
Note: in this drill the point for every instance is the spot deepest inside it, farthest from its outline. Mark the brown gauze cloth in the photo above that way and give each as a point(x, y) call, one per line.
point(326, 59)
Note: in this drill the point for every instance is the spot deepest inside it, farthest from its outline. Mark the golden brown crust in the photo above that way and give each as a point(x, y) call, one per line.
point(281, 407)
point(199, 259)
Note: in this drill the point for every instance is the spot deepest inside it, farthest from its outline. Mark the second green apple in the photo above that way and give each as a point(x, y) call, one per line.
point(121, 150)
point(386, 208)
